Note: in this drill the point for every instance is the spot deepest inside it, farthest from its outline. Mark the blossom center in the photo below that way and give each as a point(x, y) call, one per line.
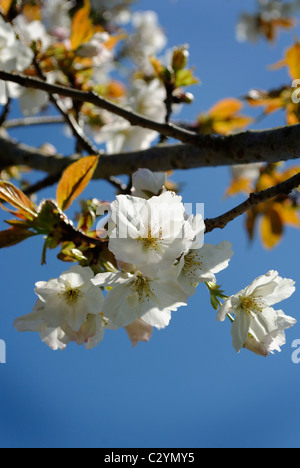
point(251, 304)
point(192, 263)
point(71, 295)
point(141, 286)
point(151, 241)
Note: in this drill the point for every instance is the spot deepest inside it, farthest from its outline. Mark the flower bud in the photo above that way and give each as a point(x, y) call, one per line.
point(180, 58)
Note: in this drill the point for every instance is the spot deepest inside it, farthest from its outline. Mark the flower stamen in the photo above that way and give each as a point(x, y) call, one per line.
point(251, 305)
point(71, 295)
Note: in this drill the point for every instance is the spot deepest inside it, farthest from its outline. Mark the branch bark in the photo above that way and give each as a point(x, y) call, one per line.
point(168, 130)
point(33, 121)
point(270, 146)
point(284, 188)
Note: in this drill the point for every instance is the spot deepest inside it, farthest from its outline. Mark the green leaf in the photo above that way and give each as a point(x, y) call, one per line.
point(216, 293)
point(74, 180)
point(185, 78)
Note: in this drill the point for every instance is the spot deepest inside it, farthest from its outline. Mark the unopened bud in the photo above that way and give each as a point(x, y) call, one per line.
point(180, 58)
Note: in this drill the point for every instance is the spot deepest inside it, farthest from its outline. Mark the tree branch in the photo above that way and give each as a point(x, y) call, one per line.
point(33, 121)
point(169, 130)
point(82, 140)
point(270, 146)
point(284, 188)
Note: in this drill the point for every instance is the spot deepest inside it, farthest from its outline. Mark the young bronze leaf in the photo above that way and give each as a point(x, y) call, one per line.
point(271, 228)
point(5, 5)
point(74, 180)
point(82, 27)
point(15, 197)
point(14, 236)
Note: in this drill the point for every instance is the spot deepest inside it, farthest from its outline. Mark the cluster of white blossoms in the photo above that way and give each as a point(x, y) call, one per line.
point(161, 258)
point(147, 99)
point(14, 56)
point(54, 27)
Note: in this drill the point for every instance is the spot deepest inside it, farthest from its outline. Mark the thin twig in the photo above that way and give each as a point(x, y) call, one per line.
point(169, 130)
point(46, 182)
point(34, 121)
point(5, 112)
point(77, 131)
point(284, 188)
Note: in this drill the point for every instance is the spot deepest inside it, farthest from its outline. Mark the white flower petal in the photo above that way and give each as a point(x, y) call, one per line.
point(226, 308)
point(139, 331)
point(240, 330)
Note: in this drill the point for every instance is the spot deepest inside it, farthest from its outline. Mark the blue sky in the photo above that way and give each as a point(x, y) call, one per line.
point(187, 387)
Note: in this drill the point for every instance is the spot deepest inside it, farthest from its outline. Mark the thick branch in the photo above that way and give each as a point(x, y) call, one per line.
point(279, 144)
point(284, 188)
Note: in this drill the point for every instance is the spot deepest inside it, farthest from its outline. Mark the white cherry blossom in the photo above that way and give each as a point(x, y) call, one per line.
point(148, 38)
point(135, 296)
point(55, 338)
point(55, 14)
point(70, 298)
point(14, 56)
point(68, 309)
point(151, 234)
point(32, 101)
point(254, 314)
point(263, 344)
point(201, 265)
point(146, 184)
point(146, 99)
point(247, 171)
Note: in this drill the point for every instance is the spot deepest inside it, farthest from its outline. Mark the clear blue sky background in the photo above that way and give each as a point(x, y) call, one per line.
point(187, 387)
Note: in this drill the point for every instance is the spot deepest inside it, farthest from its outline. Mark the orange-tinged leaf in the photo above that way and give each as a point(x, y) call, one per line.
point(223, 127)
point(276, 66)
point(14, 236)
point(292, 115)
point(113, 41)
point(157, 66)
point(32, 12)
point(293, 60)
point(15, 197)
point(266, 181)
point(291, 172)
point(240, 185)
point(291, 217)
point(269, 27)
point(272, 228)
point(289, 214)
point(272, 101)
point(223, 118)
point(5, 5)
point(251, 218)
point(225, 108)
point(82, 29)
point(115, 89)
point(74, 180)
